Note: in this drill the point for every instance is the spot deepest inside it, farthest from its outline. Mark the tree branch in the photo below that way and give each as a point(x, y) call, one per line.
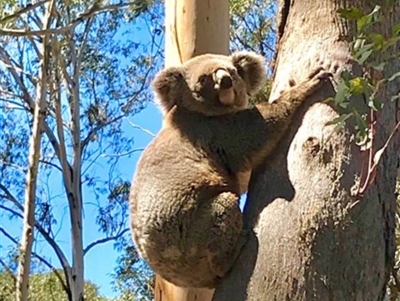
point(123, 154)
point(28, 99)
point(92, 11)
point(22, 11)
point(104, 240)
point(135, 126)
point(8, 270)
point(42, 231)
point(42, 259)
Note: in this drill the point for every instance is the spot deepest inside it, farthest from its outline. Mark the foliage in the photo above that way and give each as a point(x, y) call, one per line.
point(44, 286)
point(99, 67)
point(393, 290)
point(252, 26)
point(370, 50)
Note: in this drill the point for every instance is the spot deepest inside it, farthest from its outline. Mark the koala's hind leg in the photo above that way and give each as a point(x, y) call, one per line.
point(226, 237)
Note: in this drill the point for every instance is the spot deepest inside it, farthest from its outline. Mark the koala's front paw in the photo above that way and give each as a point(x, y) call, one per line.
point(316, 78)
point(319, 75)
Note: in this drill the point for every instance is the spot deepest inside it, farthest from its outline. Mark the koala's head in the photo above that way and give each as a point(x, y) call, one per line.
point(211, 84)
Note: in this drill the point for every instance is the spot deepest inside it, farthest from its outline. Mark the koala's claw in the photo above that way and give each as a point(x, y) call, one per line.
point(320, 73)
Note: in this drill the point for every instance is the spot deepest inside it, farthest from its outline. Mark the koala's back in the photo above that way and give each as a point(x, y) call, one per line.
point(176, 180)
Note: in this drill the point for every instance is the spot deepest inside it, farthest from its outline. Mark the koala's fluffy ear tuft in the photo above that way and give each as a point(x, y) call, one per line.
point(251, 68)
point(164, 84)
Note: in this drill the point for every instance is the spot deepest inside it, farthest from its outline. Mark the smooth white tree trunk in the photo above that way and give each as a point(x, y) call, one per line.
point(27, 236)
point(193, 27)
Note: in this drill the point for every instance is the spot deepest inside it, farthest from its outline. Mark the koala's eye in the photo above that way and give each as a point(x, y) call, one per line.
point(232, 71)
point(204, 79)
point(241, 72)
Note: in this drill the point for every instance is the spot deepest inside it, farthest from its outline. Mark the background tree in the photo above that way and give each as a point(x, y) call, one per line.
point(93, 81)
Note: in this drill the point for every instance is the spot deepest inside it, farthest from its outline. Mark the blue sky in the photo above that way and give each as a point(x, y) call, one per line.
point(101, 260)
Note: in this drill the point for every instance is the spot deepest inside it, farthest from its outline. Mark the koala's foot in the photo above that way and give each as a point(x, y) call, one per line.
point(226, 238)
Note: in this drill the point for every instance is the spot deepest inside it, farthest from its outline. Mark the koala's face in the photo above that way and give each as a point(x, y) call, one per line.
point(211, 84)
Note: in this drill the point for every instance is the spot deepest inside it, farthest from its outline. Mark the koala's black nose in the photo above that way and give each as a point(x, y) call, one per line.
point(226, 82)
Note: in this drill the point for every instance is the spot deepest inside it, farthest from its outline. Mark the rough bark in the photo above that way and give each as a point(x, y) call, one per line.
point(202, 27)
point(315, 238)
point(27, 237)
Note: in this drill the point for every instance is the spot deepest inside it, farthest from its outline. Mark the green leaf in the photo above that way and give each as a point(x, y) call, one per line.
point(341, 93)
point(360, 120)
point(393, 77)
point(367, 20)
point(339, 120)
point(358, 44)
point(377, 39)
point(375, 104)
point(364, 53)
point(395, 97)
point(352, 13)
point(345, 104)
point(396, 30)
point(390, 42)
point(346, 75)
point(378, 66)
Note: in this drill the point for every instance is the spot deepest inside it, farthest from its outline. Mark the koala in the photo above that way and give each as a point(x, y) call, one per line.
point(184, 200)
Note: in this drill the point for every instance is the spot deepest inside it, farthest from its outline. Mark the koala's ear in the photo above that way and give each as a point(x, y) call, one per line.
point(251, 68)
point(165, 82)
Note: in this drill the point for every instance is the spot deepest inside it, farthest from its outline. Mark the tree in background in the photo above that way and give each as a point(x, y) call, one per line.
point(67, 75)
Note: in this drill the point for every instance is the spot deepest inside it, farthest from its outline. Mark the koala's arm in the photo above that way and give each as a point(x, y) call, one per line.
point(258, 130)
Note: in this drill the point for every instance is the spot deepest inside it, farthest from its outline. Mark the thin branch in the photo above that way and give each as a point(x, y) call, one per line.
point(28, 99)
point(42, 231)
point(104, 240)
point(51, 164)
point(22, 11)
point(20, 168)
point(123, 154)
point(97, 128)
point(94, 10)
point(8, 270)
point(65, 166)
point(135, 126)
point(42, 259)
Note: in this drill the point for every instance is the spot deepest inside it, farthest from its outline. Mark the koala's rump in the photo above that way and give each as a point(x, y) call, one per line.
point(173, 179)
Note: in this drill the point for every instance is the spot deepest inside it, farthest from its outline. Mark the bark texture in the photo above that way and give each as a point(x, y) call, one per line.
point(315, 239)
point(27, 237)
point(193, 27)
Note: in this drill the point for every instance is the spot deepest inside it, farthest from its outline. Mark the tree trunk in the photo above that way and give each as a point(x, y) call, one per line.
point(27, 236)
point(315, 238)
point(193, 27)
point(75, 200)
point(30, 194)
